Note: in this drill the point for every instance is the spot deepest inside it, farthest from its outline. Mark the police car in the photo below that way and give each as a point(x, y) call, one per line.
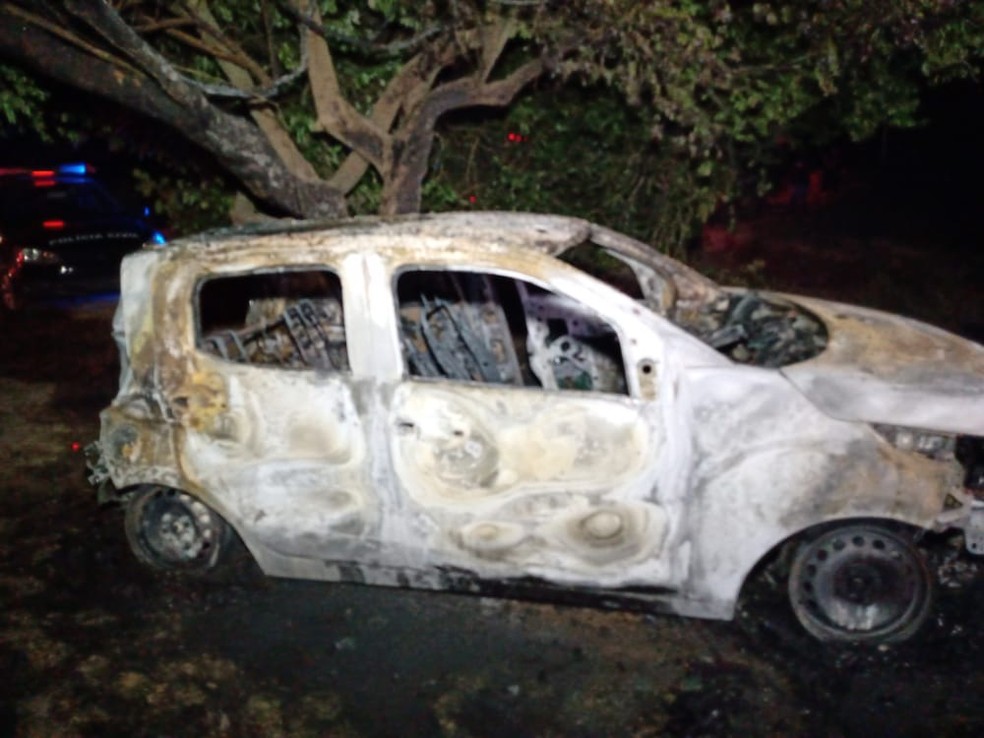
point(62, 235)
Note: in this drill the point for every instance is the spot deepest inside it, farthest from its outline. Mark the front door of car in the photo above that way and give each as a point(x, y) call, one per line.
point(268, 418)
point(519, 439)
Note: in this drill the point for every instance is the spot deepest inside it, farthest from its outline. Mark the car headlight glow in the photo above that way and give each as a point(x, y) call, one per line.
point(37, 256)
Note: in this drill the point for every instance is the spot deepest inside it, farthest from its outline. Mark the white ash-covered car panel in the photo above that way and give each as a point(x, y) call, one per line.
point(884, 368)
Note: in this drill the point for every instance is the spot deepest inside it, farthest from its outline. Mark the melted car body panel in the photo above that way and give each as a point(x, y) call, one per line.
point(888, 369)
point(436, 400)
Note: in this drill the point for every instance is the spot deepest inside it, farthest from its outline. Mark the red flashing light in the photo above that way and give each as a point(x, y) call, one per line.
point(42, 173)
point(76, 447)
point(513, 137)
point(44, 183)
point(54, 225)
point(472, 199)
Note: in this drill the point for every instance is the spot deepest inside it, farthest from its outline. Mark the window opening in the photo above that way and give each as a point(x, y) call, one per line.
point(288, 319)
point(487, 328)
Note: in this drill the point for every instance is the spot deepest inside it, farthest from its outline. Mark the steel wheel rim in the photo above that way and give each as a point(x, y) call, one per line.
point(176, 528)
point(859, 581)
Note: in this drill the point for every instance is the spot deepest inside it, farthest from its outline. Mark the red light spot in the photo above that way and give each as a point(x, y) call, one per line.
point(472, 199)
point(43, 173)
point(76, 447)
point(54, 225)
point(44, 183)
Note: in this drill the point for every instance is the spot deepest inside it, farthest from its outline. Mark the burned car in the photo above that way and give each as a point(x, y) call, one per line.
point(495, 402)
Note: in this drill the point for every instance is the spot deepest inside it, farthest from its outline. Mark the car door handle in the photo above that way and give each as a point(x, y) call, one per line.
point(405, 427)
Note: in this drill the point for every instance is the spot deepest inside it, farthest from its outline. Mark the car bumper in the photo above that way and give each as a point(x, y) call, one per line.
point(62, 281)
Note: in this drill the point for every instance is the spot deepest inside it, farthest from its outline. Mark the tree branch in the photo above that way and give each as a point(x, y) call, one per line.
point(265, 118)
point(413, 142)
point(405, 90)
point(391, 49)
point(61, 33)
point(494, 39)
point(335, 114)
point(238, 145)
point(205, 22)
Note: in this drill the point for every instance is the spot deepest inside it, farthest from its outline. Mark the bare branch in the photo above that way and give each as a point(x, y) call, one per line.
point(219, 53)
point(470, 91)
point(404, 92)
point(265, 12)
point(206, 24)
point(265, 118)
point(61, 33)
point(153, 26)
point(494, 39)
point(335, 114)
point(391, 49)
point(413, 142)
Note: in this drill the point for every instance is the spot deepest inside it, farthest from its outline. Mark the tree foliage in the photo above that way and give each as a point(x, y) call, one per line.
point(323, 107)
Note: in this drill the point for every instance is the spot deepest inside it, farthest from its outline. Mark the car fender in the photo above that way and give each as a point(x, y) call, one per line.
point(771, 465)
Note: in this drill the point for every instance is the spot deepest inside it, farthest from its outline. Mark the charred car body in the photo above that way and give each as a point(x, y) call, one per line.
point(455, 402)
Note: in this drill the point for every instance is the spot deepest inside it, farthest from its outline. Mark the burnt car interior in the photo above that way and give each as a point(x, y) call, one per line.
point(747, 327)
point(462, 326)
point(750, 329)
point(494, 329)
point(290, 319)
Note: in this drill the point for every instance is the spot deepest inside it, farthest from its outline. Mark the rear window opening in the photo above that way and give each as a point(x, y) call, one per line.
point(288, 319)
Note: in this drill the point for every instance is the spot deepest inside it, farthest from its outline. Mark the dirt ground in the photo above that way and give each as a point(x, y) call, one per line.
point(92, 644)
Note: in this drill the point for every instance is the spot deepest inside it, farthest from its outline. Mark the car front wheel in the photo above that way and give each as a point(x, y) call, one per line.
point(860, 583)
point(169, 529)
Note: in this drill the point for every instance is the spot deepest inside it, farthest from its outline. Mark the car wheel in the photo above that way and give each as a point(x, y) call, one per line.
point(860, 583)
point(169, 529)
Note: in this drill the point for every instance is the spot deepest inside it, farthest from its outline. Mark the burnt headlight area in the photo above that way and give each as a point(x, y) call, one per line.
point(937, 446)
point(967, 450)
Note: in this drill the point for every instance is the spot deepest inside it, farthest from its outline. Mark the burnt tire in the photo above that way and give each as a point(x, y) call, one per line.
point(860, 583)
point(169, 529)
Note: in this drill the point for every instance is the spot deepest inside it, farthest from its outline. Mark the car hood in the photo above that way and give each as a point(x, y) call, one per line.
point(885, 368)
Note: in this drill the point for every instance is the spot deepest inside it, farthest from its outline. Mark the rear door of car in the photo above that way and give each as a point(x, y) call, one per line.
point(269, 410)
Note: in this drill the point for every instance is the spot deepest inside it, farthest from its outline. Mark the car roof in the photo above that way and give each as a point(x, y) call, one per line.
point(464, 233)
point(551, 233)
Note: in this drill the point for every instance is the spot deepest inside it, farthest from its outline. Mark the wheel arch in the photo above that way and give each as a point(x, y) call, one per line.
point(726, 585)
point(785, 547)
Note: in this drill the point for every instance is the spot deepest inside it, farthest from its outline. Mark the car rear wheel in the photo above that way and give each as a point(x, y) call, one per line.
point(169, 529)
point(860, 583)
